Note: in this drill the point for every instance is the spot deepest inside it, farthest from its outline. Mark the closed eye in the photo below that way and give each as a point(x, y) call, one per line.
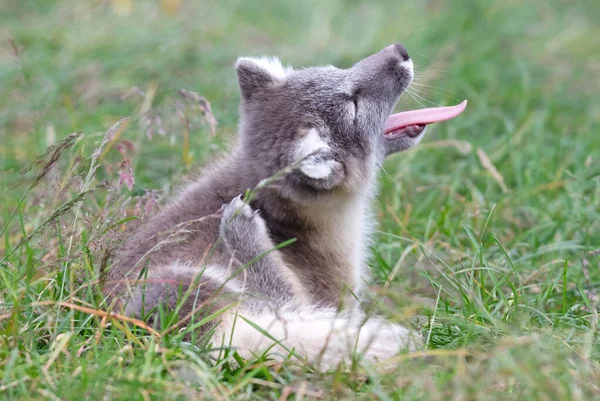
point(351, 106)
point(350, 109)
point(355, 102)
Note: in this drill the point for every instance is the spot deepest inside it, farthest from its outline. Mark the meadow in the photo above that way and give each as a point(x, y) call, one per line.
point(489, 231)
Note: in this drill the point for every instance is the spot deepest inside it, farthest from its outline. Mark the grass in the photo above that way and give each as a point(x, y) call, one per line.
point(489, 231)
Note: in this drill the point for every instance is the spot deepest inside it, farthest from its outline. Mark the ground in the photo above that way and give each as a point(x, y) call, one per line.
point(489, 236)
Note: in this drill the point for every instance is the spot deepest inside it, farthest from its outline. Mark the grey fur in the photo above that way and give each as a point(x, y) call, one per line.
point(343, 112)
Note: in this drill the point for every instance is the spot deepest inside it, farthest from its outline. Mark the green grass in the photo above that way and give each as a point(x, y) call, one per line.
point(498, 266)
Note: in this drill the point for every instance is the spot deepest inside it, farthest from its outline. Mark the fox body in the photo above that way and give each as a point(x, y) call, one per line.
point(311, 143)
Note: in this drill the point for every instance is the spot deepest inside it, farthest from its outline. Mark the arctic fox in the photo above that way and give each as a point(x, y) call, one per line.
point(311, 143)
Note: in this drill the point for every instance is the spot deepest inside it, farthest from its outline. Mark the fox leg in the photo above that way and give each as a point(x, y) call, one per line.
point(246, 237)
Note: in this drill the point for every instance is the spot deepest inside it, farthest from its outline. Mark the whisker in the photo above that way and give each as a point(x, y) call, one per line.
point(387, 174)
point(416, 91)
point(423, 92)
point(433, 87)
point(422, 98)
point(447, 93)
point(425, 57)
point(416, 100)
point(434, 68)
point(427, 100)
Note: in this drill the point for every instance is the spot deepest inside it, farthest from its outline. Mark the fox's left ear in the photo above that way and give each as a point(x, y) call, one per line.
point(256, 74)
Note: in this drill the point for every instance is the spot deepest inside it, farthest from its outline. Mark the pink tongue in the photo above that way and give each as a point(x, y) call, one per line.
point(422, 116)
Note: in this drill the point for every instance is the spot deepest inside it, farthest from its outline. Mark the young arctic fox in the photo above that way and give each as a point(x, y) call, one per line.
point(312, 141)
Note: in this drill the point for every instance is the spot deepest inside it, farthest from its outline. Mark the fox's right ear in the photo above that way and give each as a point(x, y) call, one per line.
point(256, 74)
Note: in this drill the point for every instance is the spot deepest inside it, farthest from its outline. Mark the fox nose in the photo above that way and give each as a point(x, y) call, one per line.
point(402, 51)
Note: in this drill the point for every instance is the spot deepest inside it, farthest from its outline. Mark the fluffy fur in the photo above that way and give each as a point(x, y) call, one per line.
point(310, 145)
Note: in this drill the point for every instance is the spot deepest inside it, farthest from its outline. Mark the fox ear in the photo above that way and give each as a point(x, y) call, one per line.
point(256, 74)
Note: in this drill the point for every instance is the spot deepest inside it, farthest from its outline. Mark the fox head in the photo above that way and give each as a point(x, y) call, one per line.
point(332, 125)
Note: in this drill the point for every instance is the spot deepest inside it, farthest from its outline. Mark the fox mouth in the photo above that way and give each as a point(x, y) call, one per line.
point(412, 123)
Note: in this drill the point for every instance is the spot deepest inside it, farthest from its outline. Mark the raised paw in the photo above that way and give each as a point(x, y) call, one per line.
point(243, 230)
point(236, 207)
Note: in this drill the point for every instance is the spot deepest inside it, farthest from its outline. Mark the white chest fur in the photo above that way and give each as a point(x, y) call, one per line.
point(344, 230)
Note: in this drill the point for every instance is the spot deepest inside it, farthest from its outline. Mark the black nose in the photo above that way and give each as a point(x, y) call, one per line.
point(402, 50)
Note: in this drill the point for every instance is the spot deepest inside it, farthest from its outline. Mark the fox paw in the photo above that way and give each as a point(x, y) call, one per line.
point(243, 230)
